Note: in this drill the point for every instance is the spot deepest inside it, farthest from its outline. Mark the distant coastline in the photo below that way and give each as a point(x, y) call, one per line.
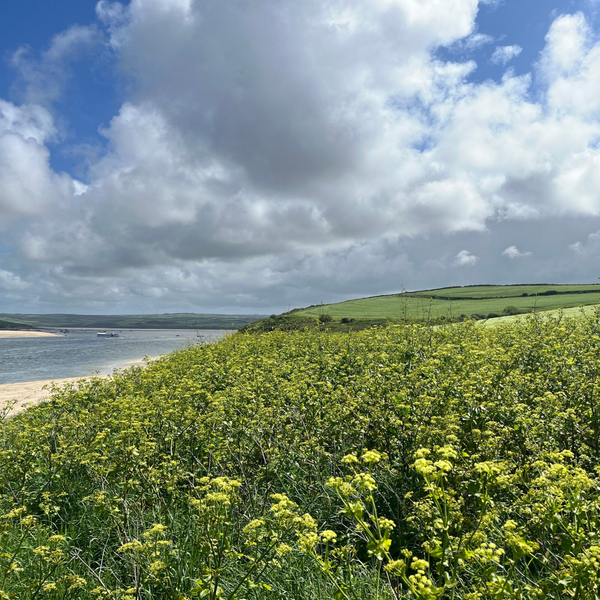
point(193, 321)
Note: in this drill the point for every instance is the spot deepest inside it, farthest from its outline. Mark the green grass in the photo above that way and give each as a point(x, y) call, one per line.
point(4, 324)
point(565, 313)
point(455, 302)
point(165, 321)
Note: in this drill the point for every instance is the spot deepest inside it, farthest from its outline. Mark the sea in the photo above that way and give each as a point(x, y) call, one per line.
point(83, 353)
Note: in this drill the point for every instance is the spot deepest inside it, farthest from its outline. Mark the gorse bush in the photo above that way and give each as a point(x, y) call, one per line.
point(410, 462)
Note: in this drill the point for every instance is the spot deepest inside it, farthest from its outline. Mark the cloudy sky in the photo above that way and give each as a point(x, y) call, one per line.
point(249, 156)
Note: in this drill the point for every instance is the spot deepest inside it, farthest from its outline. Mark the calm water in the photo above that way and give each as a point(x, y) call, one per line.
point(81, 353)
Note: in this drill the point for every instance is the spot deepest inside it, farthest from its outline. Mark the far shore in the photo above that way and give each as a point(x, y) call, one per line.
point(18, 333)
point(22, 395)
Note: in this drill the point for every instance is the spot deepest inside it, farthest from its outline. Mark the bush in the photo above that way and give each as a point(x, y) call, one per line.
point(325, 318)
point(510, 310)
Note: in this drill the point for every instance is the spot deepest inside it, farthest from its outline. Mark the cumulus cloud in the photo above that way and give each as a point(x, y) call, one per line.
point(465, 259)
point(504, 54)
point(28, 185)
point(307, 138)
point(513, 252)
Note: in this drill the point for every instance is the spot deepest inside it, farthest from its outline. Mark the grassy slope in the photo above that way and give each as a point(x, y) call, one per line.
point(167, 321)
point(493, 299)
point(4, 324)
point(579, 311)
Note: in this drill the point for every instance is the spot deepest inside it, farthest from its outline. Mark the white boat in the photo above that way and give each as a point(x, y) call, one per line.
point(102, 334)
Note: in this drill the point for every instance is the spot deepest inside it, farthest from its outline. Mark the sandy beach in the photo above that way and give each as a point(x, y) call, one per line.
point(20, 396)
point(14, 333)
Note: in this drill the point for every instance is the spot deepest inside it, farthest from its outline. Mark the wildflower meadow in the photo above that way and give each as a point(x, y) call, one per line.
point(404, 462)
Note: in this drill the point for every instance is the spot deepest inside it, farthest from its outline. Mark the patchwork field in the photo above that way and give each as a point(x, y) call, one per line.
point(450, 303)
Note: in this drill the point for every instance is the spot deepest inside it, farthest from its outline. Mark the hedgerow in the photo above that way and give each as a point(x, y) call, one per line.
point(404, 462)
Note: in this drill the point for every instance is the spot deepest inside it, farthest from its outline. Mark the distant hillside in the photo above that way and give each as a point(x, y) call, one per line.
point(12, 325)
point(452, 303)
point(166, 321)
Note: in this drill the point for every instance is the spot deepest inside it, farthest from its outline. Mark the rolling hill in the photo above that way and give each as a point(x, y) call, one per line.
point(451, 303)
point(165, 321)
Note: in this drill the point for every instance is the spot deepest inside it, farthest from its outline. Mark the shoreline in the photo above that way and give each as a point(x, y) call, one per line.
point(95, 329)
point(16, 397)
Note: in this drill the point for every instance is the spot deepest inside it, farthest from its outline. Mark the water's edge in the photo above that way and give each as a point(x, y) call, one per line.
point(83, 353)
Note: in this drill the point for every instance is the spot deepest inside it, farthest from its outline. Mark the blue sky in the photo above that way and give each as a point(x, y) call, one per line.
point(92, 96)
point(524, 23)
point(169, 155)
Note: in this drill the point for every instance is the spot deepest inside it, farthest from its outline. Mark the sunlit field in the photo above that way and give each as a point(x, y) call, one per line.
point(451, 303)
point(406, 462)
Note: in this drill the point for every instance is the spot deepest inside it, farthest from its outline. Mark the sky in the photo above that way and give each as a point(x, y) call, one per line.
point(251, 157)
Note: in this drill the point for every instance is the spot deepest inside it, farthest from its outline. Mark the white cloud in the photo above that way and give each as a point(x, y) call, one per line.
point(513, 252)
point(305, 138)
point(566, 45)
point(465, 259)
point(472, 42)
point(28, 185)
point(504, 54)
point(10, 282)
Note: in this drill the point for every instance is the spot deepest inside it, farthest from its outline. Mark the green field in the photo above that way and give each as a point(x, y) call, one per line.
point(412, 462)
point(505, 291)
point(455, 302)
point(4, 324)
point(166, 321)
point(566, 313)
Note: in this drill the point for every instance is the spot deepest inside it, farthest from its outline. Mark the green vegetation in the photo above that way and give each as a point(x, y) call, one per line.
point(475, 292)
point(407, 462)
point(4, 324)
point(482, 301)
point(166, 321)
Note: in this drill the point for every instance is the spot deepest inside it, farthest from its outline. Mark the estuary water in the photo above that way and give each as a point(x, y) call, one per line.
point(83, 353)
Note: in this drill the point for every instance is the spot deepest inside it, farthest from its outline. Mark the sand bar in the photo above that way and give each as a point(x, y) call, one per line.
point(15, 333)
